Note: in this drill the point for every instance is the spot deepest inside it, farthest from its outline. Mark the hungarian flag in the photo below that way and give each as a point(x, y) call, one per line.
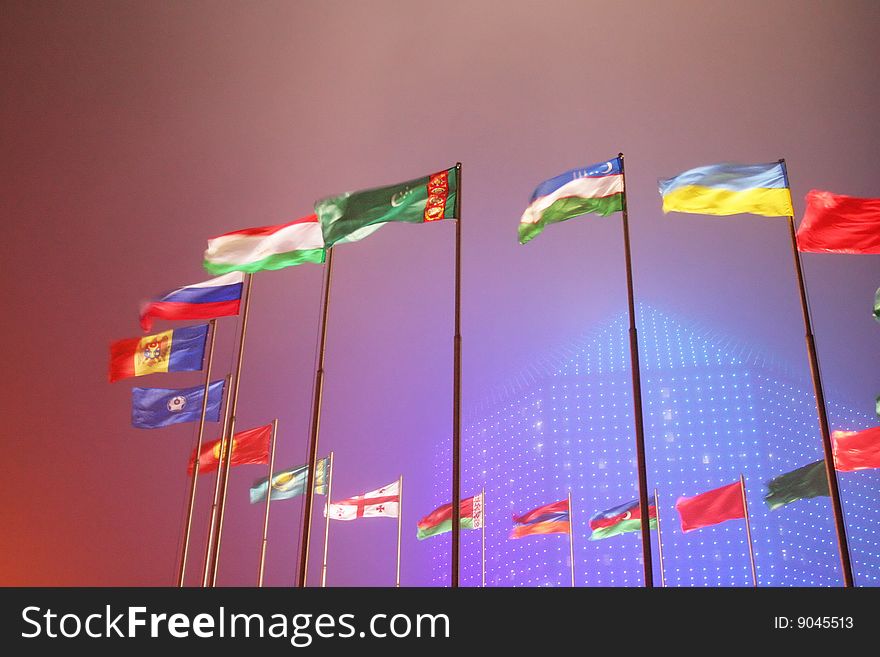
point(354, 215)
point(439, 521)
point(380, 503)
point(553, 518)
point(595, 189)
point(711, 508)
point(802, 484)
point(266, 247)
point(218, 297)
point(834, 223)
point(177, 350)
point(856, 450)
point(620, 519)
point(249, 446)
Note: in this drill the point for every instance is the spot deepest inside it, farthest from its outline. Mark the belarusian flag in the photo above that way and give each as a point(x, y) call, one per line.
point(620, 519)
point(267, 247)
point(380, 503)
point(596, 189)
point(801, 484)
point(856, 450)
point(354, 215)
point(439, 521)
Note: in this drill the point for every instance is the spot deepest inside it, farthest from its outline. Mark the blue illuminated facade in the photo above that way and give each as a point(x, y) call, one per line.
point(712, 411)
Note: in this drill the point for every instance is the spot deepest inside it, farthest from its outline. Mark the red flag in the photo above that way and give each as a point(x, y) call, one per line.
point(834, 223)
point(553, 518)
point(856, 450)
point(711, 508)
point(249, 446)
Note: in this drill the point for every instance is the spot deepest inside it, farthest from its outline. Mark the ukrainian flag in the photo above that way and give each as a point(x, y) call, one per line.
point(723, 189)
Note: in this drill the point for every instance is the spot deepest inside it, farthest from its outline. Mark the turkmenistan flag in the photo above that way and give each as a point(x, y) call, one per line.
point(439, 520)
point(801, 484)
point(348, 217)
point(621, 519)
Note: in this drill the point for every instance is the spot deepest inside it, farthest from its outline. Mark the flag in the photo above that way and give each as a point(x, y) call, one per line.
point(354, 215)
point(266, 247)
point(248, 447)
point(723, 189)
point(218, 297)
point(177, 350)
point(802, 484)
point(553, 518)
point(834, 223)
point(291, 483)
point(620, 519)
point(380, 503)
point(597, 189)
point(856, 450)
point(711, 508)
point(439, 521)
point(152, 408)
point(877, 406)
point(877, 305)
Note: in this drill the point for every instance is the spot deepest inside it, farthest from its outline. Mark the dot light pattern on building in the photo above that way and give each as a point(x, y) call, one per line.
point(712, 410)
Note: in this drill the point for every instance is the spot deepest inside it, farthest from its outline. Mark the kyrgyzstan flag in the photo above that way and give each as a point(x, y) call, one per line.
point(249, 446)
point(380, 503)
point(856, 450)
point(711, 508)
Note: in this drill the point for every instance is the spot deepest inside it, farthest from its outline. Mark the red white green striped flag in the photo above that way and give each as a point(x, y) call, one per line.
point(439, 521)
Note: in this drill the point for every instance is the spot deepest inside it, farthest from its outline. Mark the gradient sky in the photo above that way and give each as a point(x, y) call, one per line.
point(133, 131)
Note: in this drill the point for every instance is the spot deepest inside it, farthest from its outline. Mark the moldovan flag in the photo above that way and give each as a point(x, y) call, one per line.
point(596, 189)
point(856, 450)
point(178, 350)
point(267, 247)
point(248, 447)
point(834, 223)
point(711, 508)
point(152, 408)
point(218, 297)
point(553, 518)
point(380, 503)
point(439, 521)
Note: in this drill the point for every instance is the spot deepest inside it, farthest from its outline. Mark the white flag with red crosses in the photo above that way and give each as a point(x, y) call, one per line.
point(380, 503)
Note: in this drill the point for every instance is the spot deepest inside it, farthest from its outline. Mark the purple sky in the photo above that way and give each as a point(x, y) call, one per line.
point(132, 132)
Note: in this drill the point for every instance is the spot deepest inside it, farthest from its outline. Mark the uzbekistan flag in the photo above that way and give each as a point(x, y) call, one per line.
point(620, 519)
point(834, 223)
point(553, 518)
point(723, 189)
point(218, 297)
point(439, 521)
point(248, 447)
point(380, 503)
point(596, 189)
point(267, 247)
point(178, 350)
point(711, 508)
point(856, 450)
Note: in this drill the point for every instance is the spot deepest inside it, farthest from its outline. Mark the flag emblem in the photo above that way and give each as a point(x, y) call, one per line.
point(438, 193)
point(220, 455)
point(176, 404)
point(283, 481)
point(154, 354)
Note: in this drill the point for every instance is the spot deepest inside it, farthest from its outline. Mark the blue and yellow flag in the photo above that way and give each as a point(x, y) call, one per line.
point(723, 189)
point(176, 350)
point(292, 483)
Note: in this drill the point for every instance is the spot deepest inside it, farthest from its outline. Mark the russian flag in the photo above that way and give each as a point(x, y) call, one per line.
point(218, 297)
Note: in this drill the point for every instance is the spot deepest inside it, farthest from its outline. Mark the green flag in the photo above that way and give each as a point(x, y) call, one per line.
point(877, 305)
point(354, 215)
point(801, 484)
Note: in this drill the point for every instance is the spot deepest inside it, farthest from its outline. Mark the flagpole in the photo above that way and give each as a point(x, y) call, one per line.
point(483, 537)
point(742, 485)
point(327, 522)
point(268, 500)
point(316, 426)
point(209, 541)
point(399, 525)
point(659, 539)
point(571, 536)
point(637, 396)
point(830, 471)
point(195, 475)
point(230, 432)
point(456, 390)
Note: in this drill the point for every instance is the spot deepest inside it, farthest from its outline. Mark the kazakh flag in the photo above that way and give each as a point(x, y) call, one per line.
point(292, 483)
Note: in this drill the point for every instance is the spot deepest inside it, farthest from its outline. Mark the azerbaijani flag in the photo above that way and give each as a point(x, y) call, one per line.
point(834, 223)
point(620, 519)
point(856, 450)
point(723, 189)
point(439, 521)
point(248, 447)
point(177, 350)
point(267, 247)
point(553, 518)
point(596, 189)
point(218, 297)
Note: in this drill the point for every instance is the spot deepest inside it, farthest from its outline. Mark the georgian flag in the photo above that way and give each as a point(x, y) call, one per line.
point(383, 502)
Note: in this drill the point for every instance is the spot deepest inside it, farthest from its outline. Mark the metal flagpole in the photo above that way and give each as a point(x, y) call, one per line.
point(830, 472)
point(456, 389)
point(483, 537)
point(742, 483)
point(637, 396)
point(659, 539)
point(327, 520)
point(399, 525)
point(268, 500)
point(195, 475)
point(230, 432)
point(209, 542)
point(571, 536)
point(316, 426)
